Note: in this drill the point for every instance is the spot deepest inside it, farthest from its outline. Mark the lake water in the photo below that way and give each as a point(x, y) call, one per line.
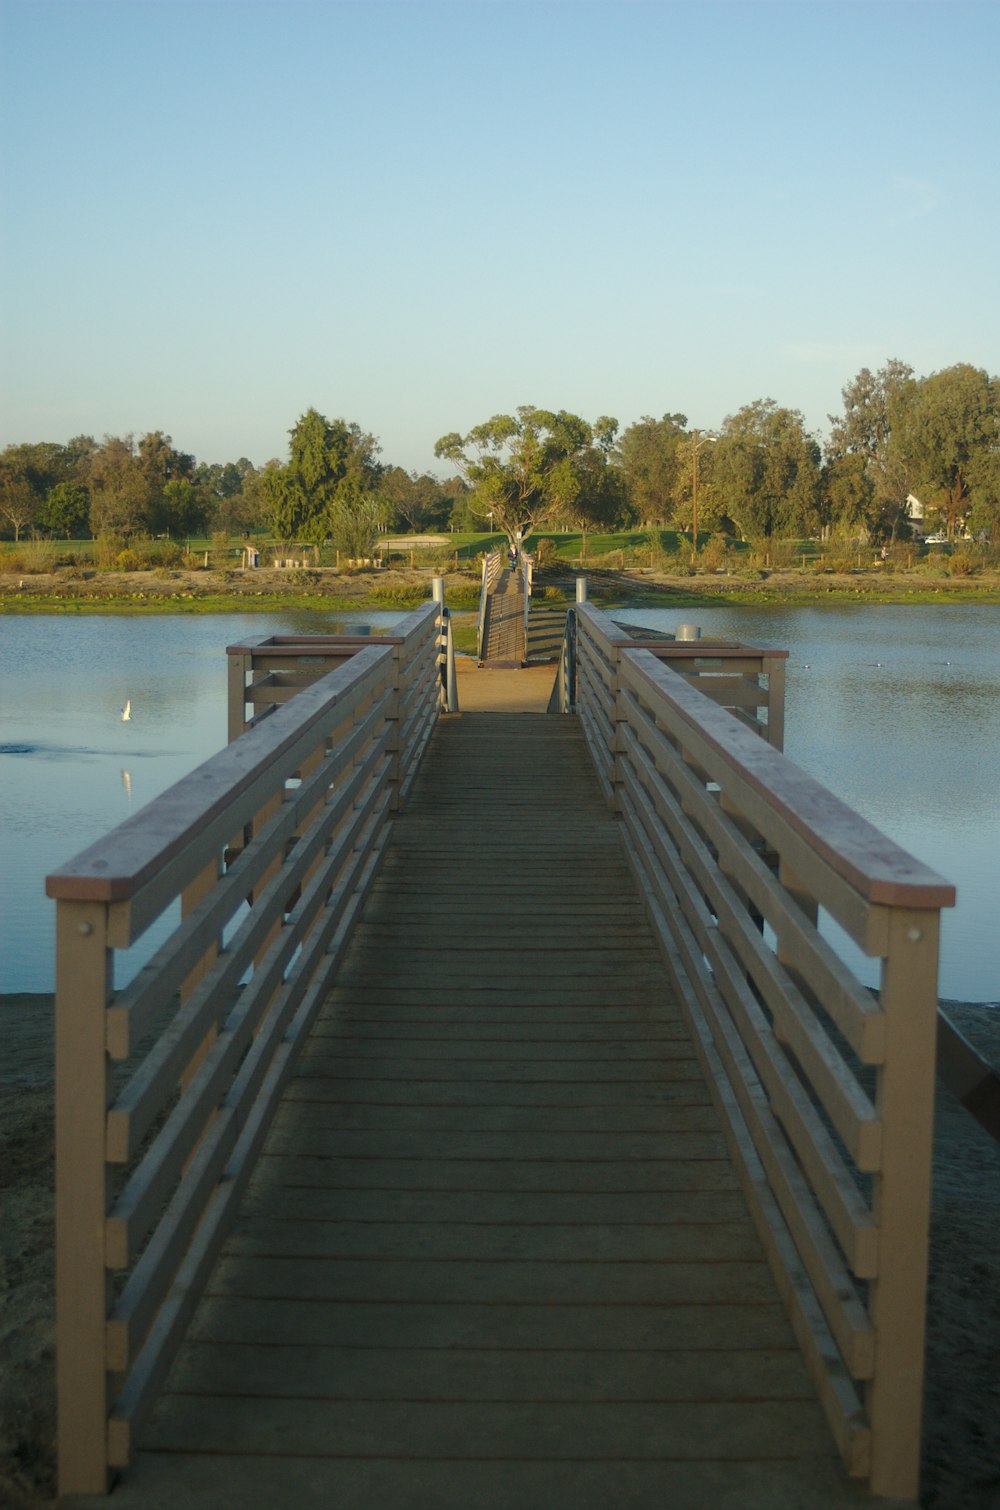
point(71, 770)
point(894, 708)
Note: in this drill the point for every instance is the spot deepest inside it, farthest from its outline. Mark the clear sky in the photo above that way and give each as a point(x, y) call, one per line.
point(217, 213)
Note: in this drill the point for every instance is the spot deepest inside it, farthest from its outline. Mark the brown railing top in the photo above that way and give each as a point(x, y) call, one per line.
point(116, 866)
point(637, 638)
point(873, 864)
point(612, 631)
point(322, 644)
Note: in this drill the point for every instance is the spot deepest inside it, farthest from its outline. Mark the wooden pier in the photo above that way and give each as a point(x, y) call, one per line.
point(495, 1252)
point(495, 1249)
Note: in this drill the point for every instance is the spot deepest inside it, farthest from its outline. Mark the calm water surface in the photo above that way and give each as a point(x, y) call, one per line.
point(71, 770)
point(896, 709)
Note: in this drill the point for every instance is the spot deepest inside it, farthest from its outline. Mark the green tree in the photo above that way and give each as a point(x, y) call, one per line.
point(329, 460)
point(20, 496)
point(847, 499)
point(521, 466)
point(766, 470)
point(227, 491)
point(600, 501)
point(418, 501)
point(19, 503)
point(27, 472)
point(356, 516)
point(983, 519)
point(183, 507)
point(864, 487)
point(66, 510)
point(648, 457)
point(944, 428)
point(120, 492)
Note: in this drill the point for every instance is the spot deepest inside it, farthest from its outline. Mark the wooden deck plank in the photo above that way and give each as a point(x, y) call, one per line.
point(327, 1107)
point(492, 1283)
point(653, 1175)
point(490, 1328)
point(502, 1071)
point(164, 1481)
point(310, 1134)
point(309, 1370)
point(505, 1242)
point(494, 1252)
point(479, 1050)
point(457, 1429)
point(290, 1203)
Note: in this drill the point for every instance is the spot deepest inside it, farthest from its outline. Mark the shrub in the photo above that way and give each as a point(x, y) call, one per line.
point(127, 560)
point(545, 553)
point(714, 555)
point(161, 553)
point(670, 562)
point(107, 549)
point(960, 565)
point(28, 556)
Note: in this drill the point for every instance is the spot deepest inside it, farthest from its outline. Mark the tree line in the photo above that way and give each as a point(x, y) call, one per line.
point(761, 475)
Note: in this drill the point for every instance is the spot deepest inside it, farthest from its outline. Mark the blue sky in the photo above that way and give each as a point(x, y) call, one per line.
point(216, 213)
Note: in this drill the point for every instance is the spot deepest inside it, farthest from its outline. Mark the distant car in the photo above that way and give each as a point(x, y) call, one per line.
point(936, 540)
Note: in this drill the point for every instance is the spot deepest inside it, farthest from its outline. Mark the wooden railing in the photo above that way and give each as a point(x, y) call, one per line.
point(265, 673)
point(826, 1091)
point(748, 680)
point(165, 1087)
point(492, 569)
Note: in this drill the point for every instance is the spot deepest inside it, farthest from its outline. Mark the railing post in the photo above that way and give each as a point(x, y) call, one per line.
point(581, 589)
point(83, 990)
point(774, 669)
point(901, 1199)
point(394, 747)
point(239, 666)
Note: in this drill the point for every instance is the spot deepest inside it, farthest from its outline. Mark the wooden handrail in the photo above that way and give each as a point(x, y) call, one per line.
point(165, 1088)
point(879, 869)
point(115, 866)
point(739, 854)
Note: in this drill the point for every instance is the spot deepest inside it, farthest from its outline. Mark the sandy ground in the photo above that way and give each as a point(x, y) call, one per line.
point(962, 1437)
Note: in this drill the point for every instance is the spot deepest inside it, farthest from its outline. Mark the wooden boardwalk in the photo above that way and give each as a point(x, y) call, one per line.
point(505, 622)
point(494, 1254)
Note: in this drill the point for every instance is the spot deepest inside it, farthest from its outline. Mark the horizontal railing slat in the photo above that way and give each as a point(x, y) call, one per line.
point(169, 833)
point(849, 1106)
point(270, 848)
point(741, 856)
point(844, 1207)
point(853, 848)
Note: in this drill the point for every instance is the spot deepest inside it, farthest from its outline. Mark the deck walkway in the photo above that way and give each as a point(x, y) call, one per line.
point(505, 622)
point(494, 1254)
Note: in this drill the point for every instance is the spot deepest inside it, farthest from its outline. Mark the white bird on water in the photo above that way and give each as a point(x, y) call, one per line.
point(127, 711)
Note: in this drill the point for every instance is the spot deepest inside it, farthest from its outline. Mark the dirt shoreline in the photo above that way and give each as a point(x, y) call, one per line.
point(962, 1443)
point(80, 589)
